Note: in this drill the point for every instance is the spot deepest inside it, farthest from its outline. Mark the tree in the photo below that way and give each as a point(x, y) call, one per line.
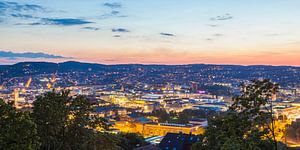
point(183, 117)
point(64, 122)
point(50, 113)
point(292, 133)
point(17, 130)
point(247, 124)
point(128, 141)
point(162, 115)
point(99, 141)
point(78, 123)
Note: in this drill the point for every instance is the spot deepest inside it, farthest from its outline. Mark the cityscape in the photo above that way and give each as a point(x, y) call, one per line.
point(149, 75)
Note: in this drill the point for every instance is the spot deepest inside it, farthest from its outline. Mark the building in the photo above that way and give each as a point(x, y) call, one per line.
point(153, 129)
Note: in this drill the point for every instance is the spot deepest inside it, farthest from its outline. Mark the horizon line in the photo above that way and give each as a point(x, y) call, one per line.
point(149, 64)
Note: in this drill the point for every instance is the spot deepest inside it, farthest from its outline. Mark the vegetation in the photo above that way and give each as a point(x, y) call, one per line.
point(17, 129)
point(247, 125)
point(217, 89)
point(59, 122)
point(293, 132)
point(162, 115)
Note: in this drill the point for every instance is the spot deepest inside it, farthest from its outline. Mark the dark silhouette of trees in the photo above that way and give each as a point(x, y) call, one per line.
point(17, 129)
point(64, 122)
point(248, 124)
point(162, 115)
point(292, 133)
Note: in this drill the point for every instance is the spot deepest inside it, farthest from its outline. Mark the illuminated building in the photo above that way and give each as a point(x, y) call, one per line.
point(155, 129)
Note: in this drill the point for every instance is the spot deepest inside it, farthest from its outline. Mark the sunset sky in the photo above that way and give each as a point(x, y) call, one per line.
point(151, 31)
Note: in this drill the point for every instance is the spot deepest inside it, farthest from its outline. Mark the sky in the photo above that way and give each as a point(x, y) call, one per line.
point(246, 32)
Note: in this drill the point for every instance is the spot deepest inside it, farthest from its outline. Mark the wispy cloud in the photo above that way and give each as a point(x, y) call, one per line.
point(61, 21)
point(18, 10)
point(91, 28)
point(113, 5)
point(113, 13)
point(24, 16)
point(114, 8)
point(213, 25)
point(14, 6)
point(222, 17)
point(28, 11)
point(166, 34)
point(119, 30)
point(14, 55)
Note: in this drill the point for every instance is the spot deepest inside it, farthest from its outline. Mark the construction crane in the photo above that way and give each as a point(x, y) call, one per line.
point(28, 82)
point(52, 81)
point(27, 85)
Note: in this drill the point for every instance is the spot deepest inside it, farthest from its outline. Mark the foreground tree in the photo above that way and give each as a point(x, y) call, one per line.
point(17, 130)
point(50, 113)
point(249, 122)
point(129, 141)
point(64, 122)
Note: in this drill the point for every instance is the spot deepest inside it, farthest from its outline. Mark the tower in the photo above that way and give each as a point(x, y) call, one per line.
point(16, 97)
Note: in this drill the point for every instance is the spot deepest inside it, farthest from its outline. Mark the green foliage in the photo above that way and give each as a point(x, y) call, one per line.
point(128, 141)
point(50, 113)
point(162, 115)
point(185, 115)
point(247, 123)
point(292, 133)
point(17, 130)
point(102, 141)
point(183, 118)
point(217, 89)
point(64, 122)
point(59, 122)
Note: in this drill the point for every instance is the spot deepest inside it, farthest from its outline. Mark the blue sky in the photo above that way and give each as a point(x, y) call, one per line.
point(148, 31)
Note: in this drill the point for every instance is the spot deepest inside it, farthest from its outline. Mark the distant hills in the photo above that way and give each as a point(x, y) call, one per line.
point(192, 72)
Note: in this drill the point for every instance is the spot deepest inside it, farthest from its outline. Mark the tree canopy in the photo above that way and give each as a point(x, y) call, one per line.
point(248, 124)
point(17, 129)
point(59, 122)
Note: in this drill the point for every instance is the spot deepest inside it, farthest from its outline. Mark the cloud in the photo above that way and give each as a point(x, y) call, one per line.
point(14, 6)
point(113, 5)
point(119, 30)
point(166, 34)
point(61, 21)
point(91, 28)
point(114, 12)
point(223, 17)
point(117, 36)
point(13, 55)
point(25, 16)
point(28, 11)
point(19, 10)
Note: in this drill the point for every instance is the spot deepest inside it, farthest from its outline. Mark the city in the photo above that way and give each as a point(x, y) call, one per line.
point(149, 75)
point(148, 99)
